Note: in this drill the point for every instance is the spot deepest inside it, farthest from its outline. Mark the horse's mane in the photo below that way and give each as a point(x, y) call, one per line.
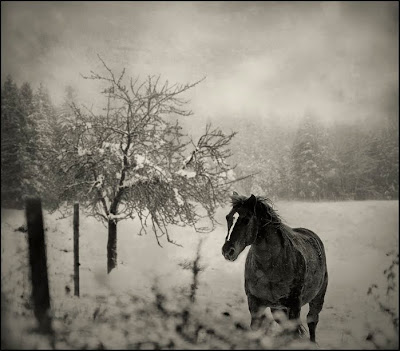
point(266, 205)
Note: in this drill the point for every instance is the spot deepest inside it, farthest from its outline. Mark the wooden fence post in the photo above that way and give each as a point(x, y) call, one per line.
point(38, 263)
point(76, 249)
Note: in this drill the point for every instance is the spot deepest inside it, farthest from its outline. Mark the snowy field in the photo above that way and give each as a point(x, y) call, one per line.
point(113, 312)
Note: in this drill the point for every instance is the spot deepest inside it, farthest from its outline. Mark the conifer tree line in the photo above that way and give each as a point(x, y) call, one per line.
point(316, 162)
point(310, 162)
point(28, 139)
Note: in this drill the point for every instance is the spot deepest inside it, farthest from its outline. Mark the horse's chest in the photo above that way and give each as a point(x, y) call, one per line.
point(269, 288)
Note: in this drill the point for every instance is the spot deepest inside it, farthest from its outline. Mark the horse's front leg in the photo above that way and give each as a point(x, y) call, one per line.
point(294, 315)
point(257, 309)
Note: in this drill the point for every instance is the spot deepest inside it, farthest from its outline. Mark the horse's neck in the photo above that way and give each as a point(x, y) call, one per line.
point(268, 247)
point(272, 255)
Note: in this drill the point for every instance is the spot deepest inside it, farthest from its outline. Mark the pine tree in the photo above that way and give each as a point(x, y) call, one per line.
point(390, 166)
point(262, 147)
point(30, 137)
point(383, 171)
point(329, 167)
point(44, 122)
point(307, 155)
point(65, 115)
point(285, 188)
point(13, 134)
point(66, 111)
point(354, 162)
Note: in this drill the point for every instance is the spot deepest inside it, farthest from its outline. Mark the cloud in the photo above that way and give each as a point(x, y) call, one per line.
point(260, 58)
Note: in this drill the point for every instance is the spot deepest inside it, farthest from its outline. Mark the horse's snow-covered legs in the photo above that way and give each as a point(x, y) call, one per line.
point(294, 315)
point(257, 310)
point(276, 312)
point(293, 304)
point(315, 308)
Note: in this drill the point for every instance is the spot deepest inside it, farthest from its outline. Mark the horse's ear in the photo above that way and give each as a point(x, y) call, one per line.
point(251, 201)
point(235, 198)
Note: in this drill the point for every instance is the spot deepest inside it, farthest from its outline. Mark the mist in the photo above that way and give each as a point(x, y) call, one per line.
point(280, 60)
point(277, 130)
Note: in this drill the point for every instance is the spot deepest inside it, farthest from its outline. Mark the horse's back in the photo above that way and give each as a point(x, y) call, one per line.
point(312, 238)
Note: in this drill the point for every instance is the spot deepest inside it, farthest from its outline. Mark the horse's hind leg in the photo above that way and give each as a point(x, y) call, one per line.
point(256, 309)
point(315, 308)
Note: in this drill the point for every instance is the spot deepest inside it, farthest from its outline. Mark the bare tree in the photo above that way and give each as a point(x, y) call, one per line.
point(131, 161)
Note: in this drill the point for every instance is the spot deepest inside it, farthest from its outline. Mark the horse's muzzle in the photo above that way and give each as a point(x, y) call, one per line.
point(229, 252)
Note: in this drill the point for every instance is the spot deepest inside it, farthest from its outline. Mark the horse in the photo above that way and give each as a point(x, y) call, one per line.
point(285, 267)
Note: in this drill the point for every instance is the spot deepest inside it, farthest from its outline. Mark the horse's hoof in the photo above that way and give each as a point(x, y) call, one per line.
point(254, 326)
point(301, 331)
point(257, 323)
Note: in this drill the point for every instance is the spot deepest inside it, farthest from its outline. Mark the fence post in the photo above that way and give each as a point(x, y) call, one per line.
point(76, 249)
point(38, 263)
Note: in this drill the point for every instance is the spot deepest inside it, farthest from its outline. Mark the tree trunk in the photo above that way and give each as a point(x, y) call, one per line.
point(76, 249)
point(112, 246)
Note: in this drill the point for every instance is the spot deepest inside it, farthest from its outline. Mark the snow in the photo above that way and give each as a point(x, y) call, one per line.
point(178, 197)
point(133, 180)
point(106, 199)
point(98, 183)
point(187, 159)
point(230, 175)
point(141, 161)
point(357, 237)
point(82, 151)
point(114, 148)
point(186, 173)
point(160, 171)
point(100, 180)
point(224, 176)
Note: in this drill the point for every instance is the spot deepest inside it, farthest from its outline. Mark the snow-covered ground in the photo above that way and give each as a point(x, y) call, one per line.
point(357, 235)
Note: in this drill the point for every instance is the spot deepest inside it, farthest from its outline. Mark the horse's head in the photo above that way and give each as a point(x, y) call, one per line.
point(242, 226)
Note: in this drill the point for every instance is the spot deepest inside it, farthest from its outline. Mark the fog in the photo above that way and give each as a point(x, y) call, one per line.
point(338, 60)
point(312, 90)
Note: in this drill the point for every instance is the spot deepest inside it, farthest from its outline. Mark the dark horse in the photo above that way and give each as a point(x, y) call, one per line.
point(285, 267)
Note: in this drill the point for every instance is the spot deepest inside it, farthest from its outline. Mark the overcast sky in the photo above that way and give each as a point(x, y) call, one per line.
point(338, 60)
